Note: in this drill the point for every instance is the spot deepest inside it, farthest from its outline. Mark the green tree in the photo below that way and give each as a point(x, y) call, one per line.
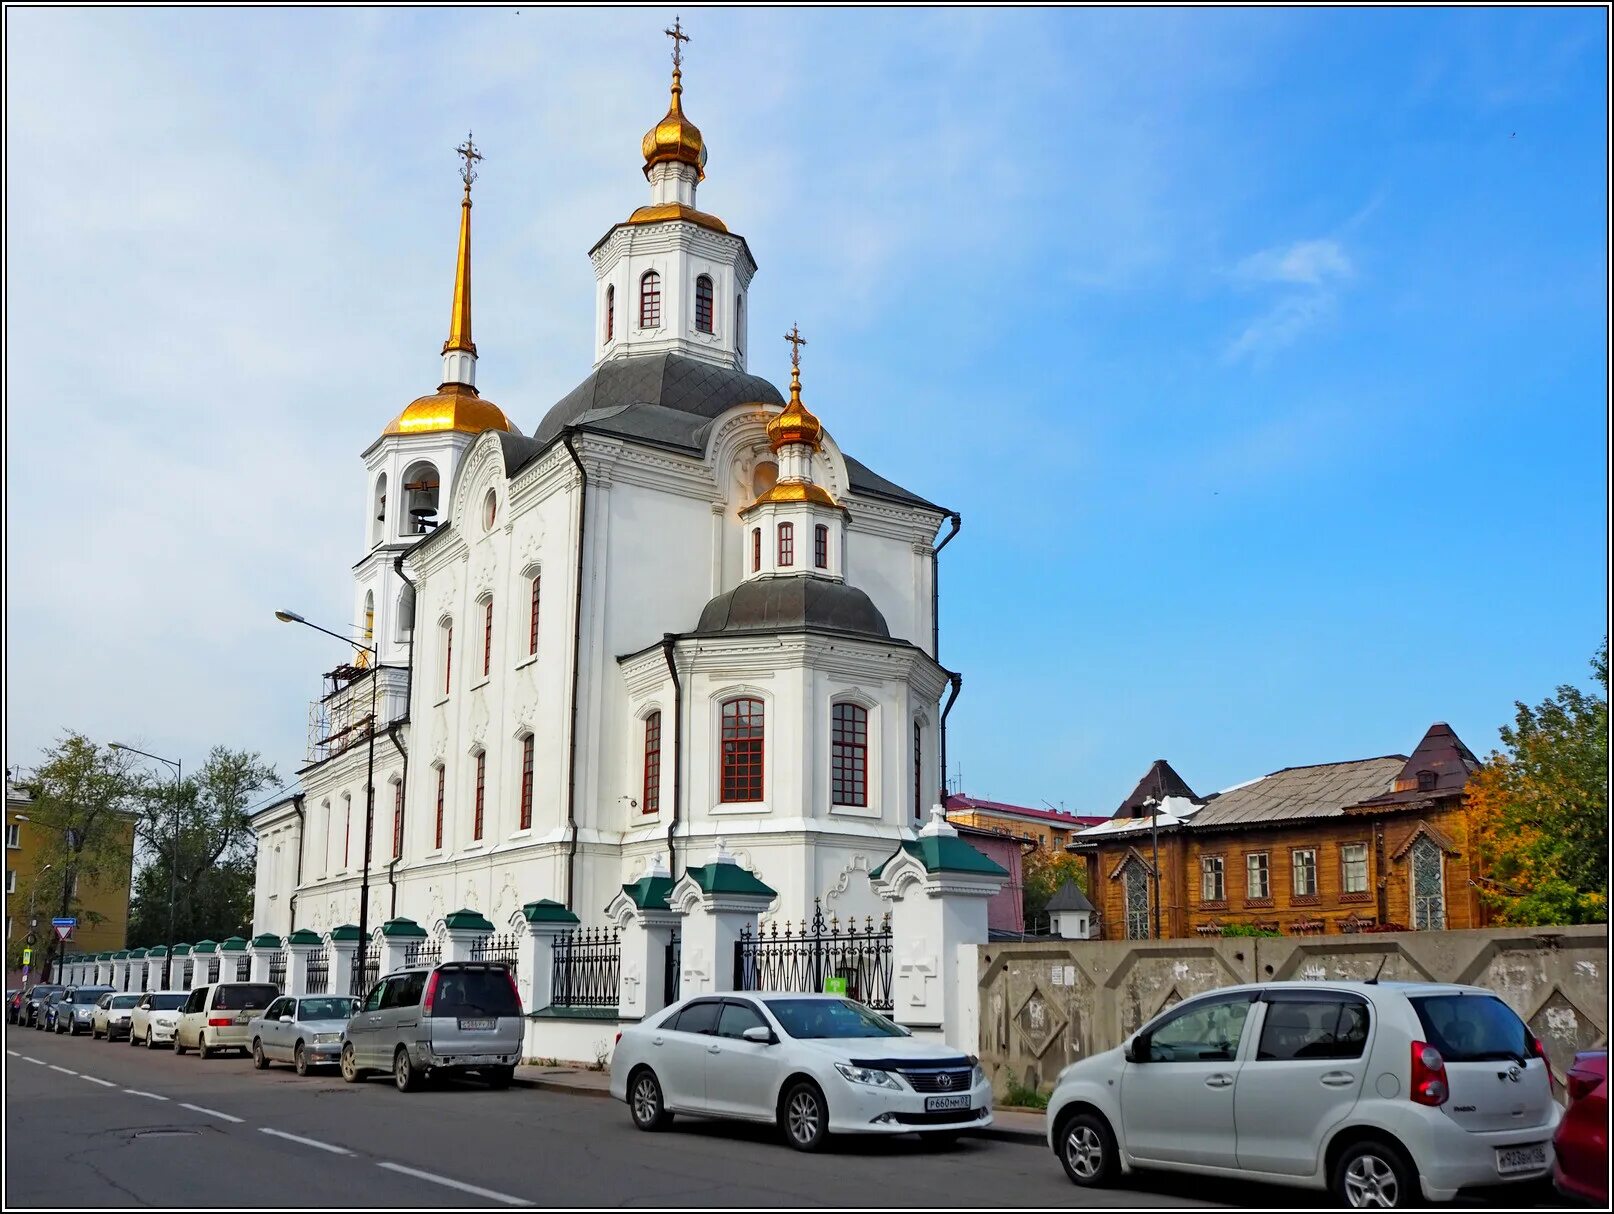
point(217, 851)
point(1540, 809)
point(1042, 871)
point(84, 800)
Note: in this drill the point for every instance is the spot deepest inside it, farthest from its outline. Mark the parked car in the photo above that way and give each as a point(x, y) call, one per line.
point(47, 1010)
point(1581, 1144)
point(304, 1030)
point(437, 1020)
point(112, 1014)
point(155, 1018)
point(1374, 1091)
point(33, 1009)
point(812, 1064)
point(14, 1003)
point(216, 1017)
point(72, 1012)
point(11, 1003)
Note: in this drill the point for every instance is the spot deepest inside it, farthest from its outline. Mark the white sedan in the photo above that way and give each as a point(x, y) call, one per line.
point(156, 1018)
point(111, 1016)
point(812, 1064)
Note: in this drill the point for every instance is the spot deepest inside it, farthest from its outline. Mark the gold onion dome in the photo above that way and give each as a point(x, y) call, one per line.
point(454, 407)
point(796, 423)
point(675, 137)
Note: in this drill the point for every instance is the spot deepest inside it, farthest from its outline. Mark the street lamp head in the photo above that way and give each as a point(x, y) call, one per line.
point(289, 617)
point(117, 745)
point(21, 818)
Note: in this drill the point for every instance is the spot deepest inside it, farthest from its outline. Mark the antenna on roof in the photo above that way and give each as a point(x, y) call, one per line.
point(1373, 981)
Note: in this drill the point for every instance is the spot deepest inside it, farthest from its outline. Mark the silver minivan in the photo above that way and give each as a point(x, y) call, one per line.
point(437, 1020)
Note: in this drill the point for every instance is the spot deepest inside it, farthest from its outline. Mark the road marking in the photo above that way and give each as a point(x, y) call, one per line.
point(62, 1069)
point(35, 1061)
point(14, 1053)
point(196, 1108)
point(307, 1142)
point(147, 1095)
point(106, 1083)
point(455, 1184)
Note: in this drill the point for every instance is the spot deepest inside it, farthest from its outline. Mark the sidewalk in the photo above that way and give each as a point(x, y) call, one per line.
point(1015, 1125)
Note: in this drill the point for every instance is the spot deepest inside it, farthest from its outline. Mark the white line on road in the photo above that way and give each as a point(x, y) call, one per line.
point(35, 1061)
point(147, 1095)
point(62, 1069)
point(307, 1142)
point(196, 1108)
point(14, 1053)
point(106, 1083)
point(455, 1184)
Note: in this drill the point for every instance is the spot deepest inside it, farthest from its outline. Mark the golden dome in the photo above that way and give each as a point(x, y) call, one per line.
point(675, 137)
point(656, 212)
point(795, 424)
point(796, 491)
point(453, 407)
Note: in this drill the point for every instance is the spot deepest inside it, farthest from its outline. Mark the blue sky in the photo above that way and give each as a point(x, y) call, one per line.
point(1263, 352)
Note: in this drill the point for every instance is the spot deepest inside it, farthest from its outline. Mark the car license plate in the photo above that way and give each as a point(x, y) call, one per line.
point(937, 1104)
point(1520, 1159)
point(479, 1026)
point(244, 1018)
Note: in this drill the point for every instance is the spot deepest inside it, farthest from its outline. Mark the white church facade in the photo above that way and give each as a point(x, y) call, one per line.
point(673, 613)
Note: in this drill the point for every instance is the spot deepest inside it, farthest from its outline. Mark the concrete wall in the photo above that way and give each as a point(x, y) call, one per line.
point(1045, 1005)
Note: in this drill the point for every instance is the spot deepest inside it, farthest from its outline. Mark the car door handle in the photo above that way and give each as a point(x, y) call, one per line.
point(655, 1041)
point(714, 1049)
point(1339, 1079)
point(1219, 1081)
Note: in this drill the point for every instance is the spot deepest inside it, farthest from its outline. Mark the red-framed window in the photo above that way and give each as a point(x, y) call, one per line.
point(821, 546)
point(448, 658)
point(526, 782)
point(532, 628)
point(703, 304)
point(481, 787)
point(849, 755)
point(487, 639)
point(756, 549)
point(441, 780)
point(347, 828)
point(397, 820)
point(743, 730)
point(610, 312)
point(650, 300)
point(787, 544)
point(650, 799)
point(918, 771)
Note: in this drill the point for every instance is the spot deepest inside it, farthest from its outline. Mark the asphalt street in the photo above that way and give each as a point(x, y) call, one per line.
point(90, 1124)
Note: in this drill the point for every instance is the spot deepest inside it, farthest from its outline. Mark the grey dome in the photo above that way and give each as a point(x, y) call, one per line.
point(786, 604)
point(674, 381)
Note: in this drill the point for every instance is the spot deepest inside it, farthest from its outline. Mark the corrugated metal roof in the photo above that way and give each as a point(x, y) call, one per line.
point(1320, 791)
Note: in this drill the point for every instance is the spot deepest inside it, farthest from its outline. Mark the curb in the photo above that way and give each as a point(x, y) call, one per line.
point(570, 1089)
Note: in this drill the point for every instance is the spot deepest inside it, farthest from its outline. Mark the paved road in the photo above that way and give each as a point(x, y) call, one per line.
point(91, 1124)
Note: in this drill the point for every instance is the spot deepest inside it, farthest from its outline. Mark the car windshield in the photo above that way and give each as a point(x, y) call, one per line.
point(90, 995)
point(45, 992)
point(469, 992)
point(168, 1003)
point(1472, 1028)
point(228, 998)
point(333, 1008)
point(811, 1018)
point(125, 1000)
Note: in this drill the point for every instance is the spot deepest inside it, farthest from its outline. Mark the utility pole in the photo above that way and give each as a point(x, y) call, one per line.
point(1154, 830)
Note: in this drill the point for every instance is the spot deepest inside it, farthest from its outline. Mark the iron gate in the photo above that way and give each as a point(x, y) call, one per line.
point(806, 959)
point(672, 979)
point(503, 950)
point(588, 965)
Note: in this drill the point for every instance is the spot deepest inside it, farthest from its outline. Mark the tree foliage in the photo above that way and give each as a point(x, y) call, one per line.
point(1042, 871)
point(1540, 809)
point(215, 851)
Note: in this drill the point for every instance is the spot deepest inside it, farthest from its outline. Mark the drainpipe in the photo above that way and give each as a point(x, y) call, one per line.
point(393, 730)
point(577, 665)
point(668, 641)
point(302, 828)
point(935, 591)
point(958, 685)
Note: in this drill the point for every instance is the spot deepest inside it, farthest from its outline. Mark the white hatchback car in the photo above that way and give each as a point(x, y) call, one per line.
point(1371, 1090)
point(155, 1020)
point(811, 1064)
point(111, 1016)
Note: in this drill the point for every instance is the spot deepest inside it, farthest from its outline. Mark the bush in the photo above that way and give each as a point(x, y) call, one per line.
point(1249, 929)
point(1022, 1097)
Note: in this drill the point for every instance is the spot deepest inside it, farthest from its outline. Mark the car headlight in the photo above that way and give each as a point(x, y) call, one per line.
point(870, 1076)
point(326, 1038)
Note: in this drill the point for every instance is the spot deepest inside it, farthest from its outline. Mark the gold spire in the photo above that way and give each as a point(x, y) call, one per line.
point(795, 424)
point(459, 325)
point(675, 137)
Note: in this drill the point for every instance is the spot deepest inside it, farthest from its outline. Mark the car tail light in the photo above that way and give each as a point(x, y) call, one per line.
point(219, 1022)
point(431, 994)
point(1428, 1076)
point(618, 1038)
point(515, 991)
point(1582, 1084)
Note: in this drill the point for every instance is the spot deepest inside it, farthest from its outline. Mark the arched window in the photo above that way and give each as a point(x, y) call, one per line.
point(347, 827)
point(739, 325)
point(703, 303)
point(420, 499)
point(1428, 886)
point(437, 838)
point(821, 546)
point(406, 612)
point(526, 782)
point(650, 798)
point(325, 851)
point(787, 544)
point(918, 769)
point(445, 631)
point(849, 755)
point(378, 529)
point(369, 622)
point(610, 312)
point(756, 549)
point(764, 476)
point(487, 636)
point(397, 818)
point(481, 791)
point(532, 624)
point(742, 750)
point(650, 301)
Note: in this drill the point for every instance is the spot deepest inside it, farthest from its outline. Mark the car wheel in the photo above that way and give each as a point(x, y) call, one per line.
point(259, 1062)
point(151, 1042)
point(645, 1102)
point(806, 1117)
point(1087, 1149)
point(351, 1072)
point(499, 1077)
point(1374, 1175)
point(203, 1050)
point(299, 1060)
point(178, 1049)
point(403, 1071)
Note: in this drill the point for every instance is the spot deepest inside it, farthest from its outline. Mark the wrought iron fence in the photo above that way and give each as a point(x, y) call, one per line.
point(426, 952)
point(364, 979)
point(588, 967)
point(213, 968)
point(675, 964)
point(807, 958)
point(501, 949)
point(277, 971)
point(243, 968)
point(319, 974)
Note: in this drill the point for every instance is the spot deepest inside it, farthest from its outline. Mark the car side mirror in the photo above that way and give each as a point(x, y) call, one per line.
point(1137, 1050)
point(760, 1035)
point(288, 1020)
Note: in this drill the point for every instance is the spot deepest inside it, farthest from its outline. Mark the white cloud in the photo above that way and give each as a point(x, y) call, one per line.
point(1312, 273)
point(1310, 262)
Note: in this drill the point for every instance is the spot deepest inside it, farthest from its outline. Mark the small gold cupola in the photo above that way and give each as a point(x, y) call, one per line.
point(675, 138)
point(796, 436)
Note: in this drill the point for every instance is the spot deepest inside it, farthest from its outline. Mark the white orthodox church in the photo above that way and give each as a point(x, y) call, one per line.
point(671, 615)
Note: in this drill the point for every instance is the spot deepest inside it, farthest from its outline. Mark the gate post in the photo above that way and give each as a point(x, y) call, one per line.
point(156, 958)
point(261, 955)
point(463, 931)
point(300, 946)
point(398, 936)
point(546, 921)
point(645, 926)
point(230, 958)
point(718, 901)
point(341, 946)
point(938, 887)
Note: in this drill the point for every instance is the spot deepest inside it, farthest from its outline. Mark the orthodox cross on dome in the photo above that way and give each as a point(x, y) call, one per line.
point(679, 38)
point(797, 341)
point(468, 150)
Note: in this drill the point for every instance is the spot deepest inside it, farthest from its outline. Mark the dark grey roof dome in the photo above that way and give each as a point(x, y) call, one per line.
point(674, 381)
point(785, 604)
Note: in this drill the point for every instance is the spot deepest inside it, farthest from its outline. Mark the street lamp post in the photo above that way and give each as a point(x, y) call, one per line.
point(173, 861)
point(33, 892)
point(291, 617)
